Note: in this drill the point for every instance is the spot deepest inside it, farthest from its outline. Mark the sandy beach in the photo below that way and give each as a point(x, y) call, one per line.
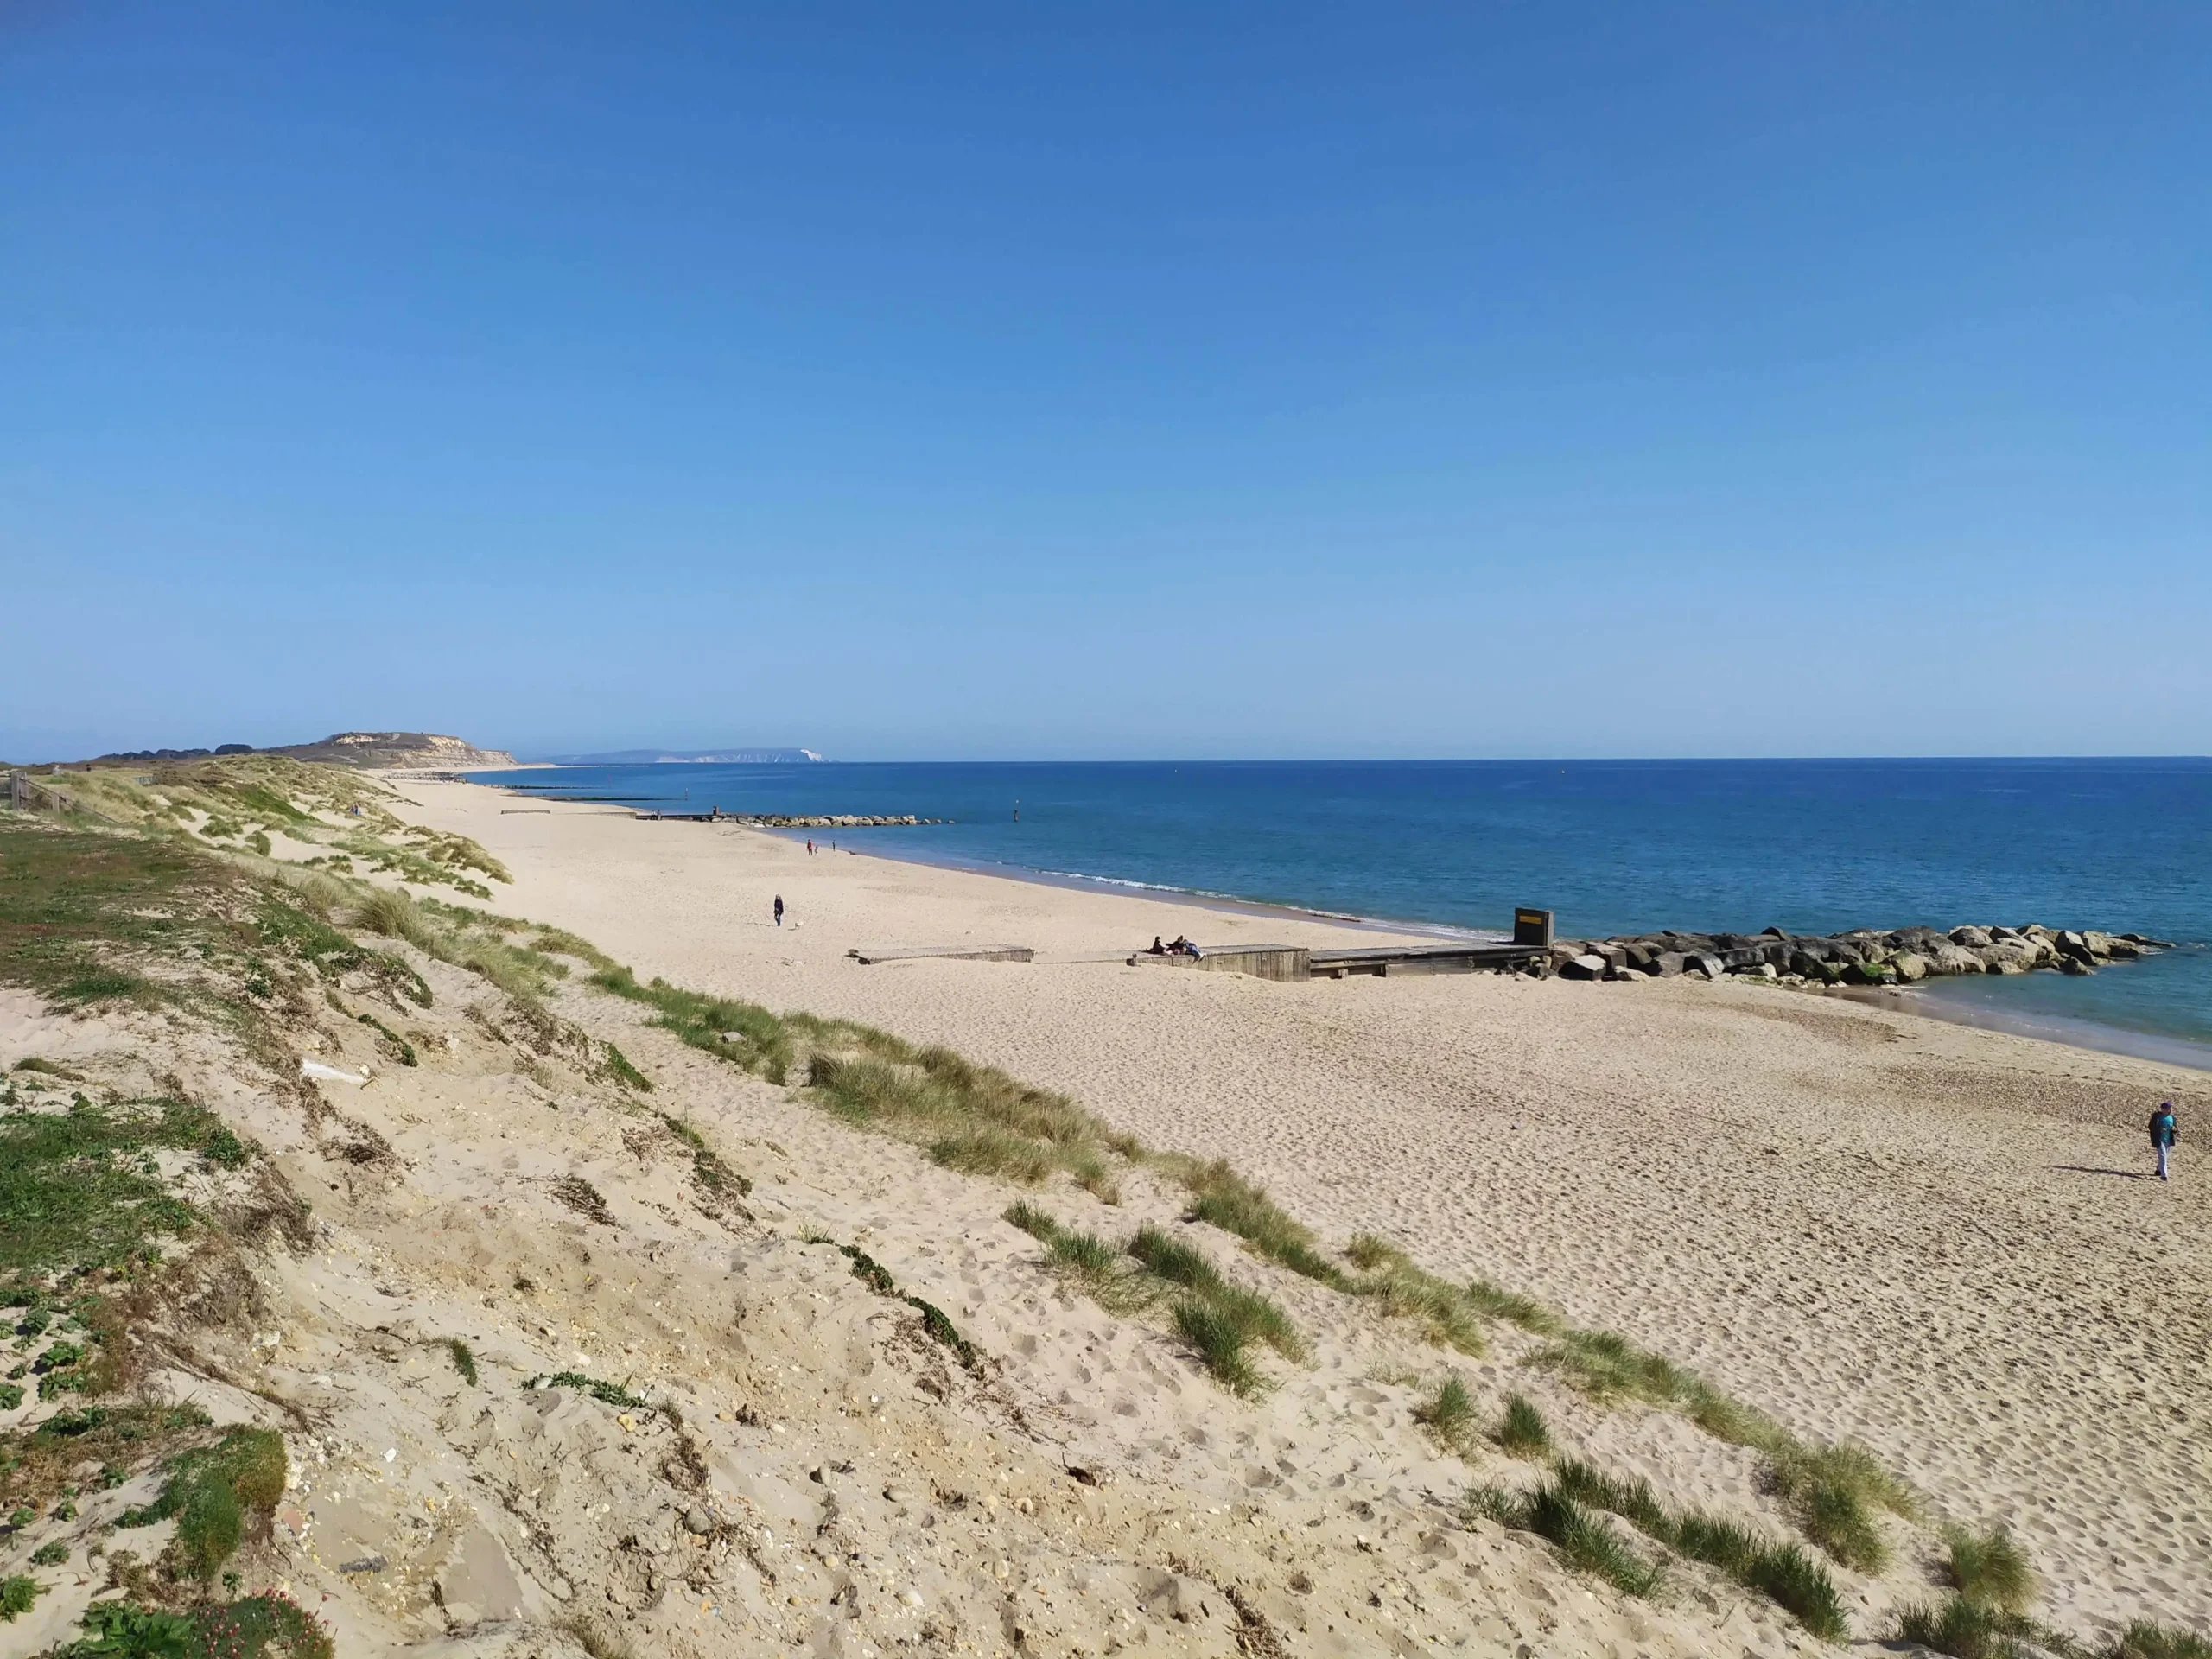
point(1933, 1239)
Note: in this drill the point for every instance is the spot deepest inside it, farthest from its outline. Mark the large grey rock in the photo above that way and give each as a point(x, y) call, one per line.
point(1707, 963)
point(1666, 964)
point(1910, 966)
point(1586, 966)
point(2073, 965)
point(2099, 944)
point(1947, 958)
point(2008, 959)
point(2124, 949)
point(1974, 938)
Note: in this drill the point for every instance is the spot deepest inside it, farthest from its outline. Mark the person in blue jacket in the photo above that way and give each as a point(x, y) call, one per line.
point(2163, 1130)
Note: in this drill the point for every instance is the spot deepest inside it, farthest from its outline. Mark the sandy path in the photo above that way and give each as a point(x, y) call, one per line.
point(1918, 1234)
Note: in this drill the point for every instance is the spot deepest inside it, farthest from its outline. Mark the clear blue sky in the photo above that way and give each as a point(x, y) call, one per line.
point(942, 381)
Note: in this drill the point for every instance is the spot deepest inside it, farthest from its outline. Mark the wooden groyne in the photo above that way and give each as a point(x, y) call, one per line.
point(943, 953)
point(1279, 961)
point(1388, 962)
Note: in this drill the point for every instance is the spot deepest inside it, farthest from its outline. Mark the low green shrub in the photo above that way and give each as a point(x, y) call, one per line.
point(211, 1491)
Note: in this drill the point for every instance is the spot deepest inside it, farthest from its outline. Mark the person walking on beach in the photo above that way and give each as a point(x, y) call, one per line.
point(2163, 1131)
point(780, 910)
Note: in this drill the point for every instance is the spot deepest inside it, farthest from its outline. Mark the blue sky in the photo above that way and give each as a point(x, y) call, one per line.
point(1144, 381)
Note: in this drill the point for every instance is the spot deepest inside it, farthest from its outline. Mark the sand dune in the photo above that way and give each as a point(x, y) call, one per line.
point(1926, 1236)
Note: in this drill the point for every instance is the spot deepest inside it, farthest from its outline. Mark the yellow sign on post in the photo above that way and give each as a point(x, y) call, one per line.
point(1532, 927)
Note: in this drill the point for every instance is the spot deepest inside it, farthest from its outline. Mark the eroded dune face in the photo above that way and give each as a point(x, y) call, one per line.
point(782, 1455)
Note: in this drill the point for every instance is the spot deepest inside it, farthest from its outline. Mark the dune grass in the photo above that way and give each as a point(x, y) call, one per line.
point(1226, 1199)
point(1523, 1433)
point(1836, 1493)
point(1449, 1413)
point(1085, 1255)
point(2145, 1640)
point(1405, 1291)
point(1989, 1569)
point(1220, 1342)
point(1965, 1630)
point(1584, 1541)
point(1782, 1573)
point(1523, 1311)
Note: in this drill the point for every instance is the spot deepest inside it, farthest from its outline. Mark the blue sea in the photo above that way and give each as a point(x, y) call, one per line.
point(1611, 846)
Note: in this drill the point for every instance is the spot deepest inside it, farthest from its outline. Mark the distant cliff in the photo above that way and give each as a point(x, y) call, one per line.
point(378, 751)
point(368, 751)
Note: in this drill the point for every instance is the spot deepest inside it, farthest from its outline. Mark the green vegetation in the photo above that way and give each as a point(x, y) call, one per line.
point(741, 1032)
point(1964, 1631)
point(1523, 1311)
point(17, 1593)
point(47, 1068)
point(618, 1068)
point(1184, 1264)
point(401, 1050)
point(1990, 1570)
point(79, 1192)
point(36, 1465)
point(1587, 1544)
point(247, 1629)
point(2144, 1640)
point(1782, 1572)
point(1449, 1413)
point(707, 1167)
point(936, 1323)
point(1523, 1433)
point(1225, 1198)
point(1835, 1492)
point(1220, 1342)
point(464, 1359)
point(211, 1491)
point(1033, 1221)
point(1085, 1255)
point(610, 1393)
point(1406, 1292)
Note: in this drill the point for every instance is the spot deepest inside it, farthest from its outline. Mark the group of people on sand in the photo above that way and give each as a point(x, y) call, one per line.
point(1179, 947)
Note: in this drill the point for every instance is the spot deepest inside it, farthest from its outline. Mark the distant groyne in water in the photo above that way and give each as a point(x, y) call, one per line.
point(1864, 956)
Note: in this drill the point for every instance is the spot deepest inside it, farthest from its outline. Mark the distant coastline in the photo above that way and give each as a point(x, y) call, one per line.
point(1614, 848)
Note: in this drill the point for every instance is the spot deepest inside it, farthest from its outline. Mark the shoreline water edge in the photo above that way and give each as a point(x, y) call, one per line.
point(1906, 970)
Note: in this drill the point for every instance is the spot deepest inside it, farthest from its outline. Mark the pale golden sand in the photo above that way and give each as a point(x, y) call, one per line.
point(1923, 1236)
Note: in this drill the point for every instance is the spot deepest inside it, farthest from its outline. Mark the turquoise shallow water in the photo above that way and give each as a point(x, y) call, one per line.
point(1611, 846)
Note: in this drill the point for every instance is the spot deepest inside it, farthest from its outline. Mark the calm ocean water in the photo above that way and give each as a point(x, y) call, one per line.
point(1613, 846)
